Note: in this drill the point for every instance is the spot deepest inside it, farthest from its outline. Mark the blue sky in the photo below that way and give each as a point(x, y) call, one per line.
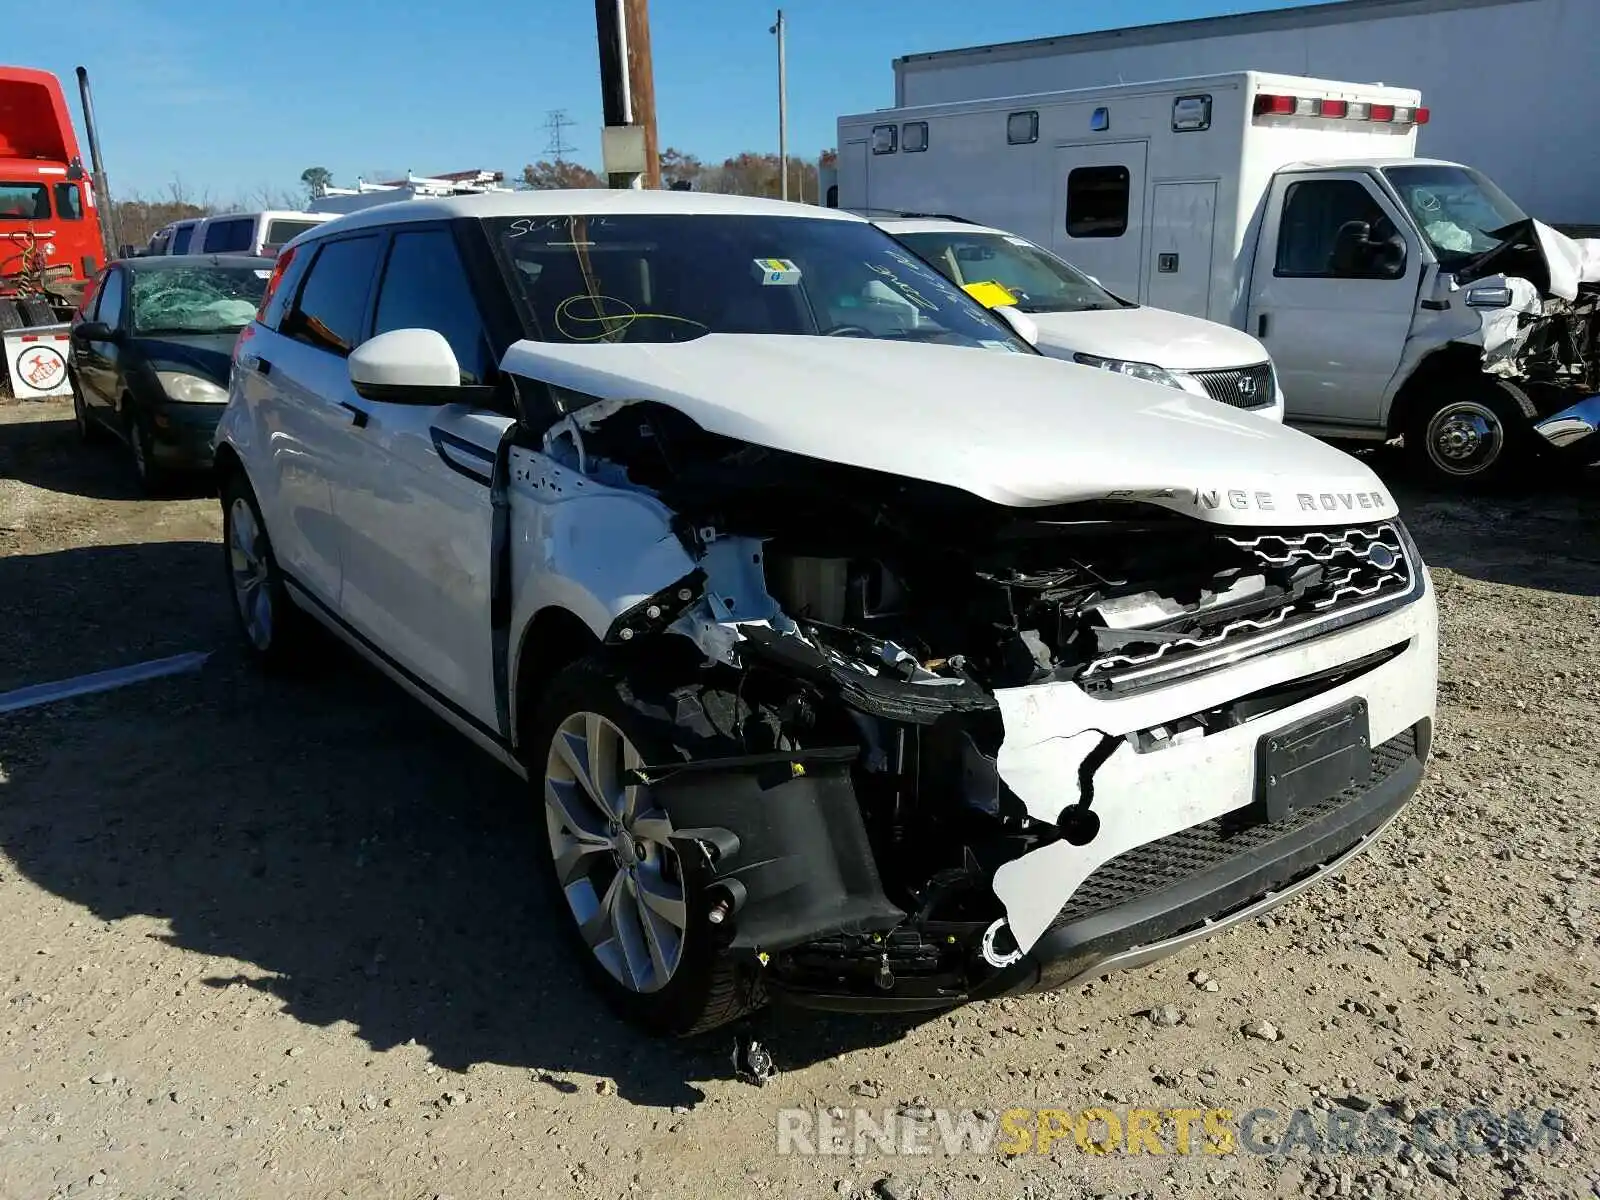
point(232, 99)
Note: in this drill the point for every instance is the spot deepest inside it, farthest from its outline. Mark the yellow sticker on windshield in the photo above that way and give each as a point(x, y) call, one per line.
point(990, 294)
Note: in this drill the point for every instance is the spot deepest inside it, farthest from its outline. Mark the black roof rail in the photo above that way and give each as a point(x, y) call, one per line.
point(902, 215)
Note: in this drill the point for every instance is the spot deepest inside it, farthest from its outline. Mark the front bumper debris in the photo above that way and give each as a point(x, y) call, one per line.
point(1572, 432)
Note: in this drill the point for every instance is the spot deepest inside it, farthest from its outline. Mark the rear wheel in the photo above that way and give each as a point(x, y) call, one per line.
point(1475, 435)
point(636, 922)
point(10, 316)
point(273, 628)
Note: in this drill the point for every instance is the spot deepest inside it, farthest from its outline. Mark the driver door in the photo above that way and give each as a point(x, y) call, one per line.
point(1335, 323)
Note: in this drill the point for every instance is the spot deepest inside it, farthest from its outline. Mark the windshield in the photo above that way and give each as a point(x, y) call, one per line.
point(196, 299)
point(1457, 209)
point(675, 277)
point(24, 202)
point(1040, 281)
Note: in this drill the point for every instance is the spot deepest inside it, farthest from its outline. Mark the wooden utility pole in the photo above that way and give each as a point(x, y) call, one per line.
point(627, 79)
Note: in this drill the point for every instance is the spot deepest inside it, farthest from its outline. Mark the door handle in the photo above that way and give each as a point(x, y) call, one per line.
point(1261, 325)
point(358, 416)
point(259, 365)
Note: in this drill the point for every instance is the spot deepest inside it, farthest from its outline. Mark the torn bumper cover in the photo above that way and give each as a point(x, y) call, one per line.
point(1572, 431)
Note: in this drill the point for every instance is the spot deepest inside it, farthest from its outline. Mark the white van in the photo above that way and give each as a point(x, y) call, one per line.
point(1397, 295)
point(261, 234)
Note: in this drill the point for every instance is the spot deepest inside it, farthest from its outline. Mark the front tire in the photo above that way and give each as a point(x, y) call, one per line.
point(634, 920)
point(153, 480)
point(272, 627)
point(1477, 437)
point(89, 431)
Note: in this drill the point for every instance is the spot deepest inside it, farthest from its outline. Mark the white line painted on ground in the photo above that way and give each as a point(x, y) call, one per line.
point(101, 681)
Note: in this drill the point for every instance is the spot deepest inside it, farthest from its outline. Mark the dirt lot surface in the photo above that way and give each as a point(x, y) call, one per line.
point(281, 939)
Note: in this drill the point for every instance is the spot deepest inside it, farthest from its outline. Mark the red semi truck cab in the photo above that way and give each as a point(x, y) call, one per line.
point(49, 230)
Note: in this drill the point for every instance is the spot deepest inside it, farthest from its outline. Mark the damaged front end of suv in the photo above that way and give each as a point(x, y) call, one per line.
point(935, 741)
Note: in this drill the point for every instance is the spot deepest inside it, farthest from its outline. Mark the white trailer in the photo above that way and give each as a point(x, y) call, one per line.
point(1396, 295)
point(1511, 83)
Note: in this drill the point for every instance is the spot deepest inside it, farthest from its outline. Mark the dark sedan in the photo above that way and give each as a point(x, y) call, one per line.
point(151, 347)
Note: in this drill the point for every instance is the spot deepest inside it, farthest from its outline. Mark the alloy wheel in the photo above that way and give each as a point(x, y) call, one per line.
point(247, 564)
point(613, 856)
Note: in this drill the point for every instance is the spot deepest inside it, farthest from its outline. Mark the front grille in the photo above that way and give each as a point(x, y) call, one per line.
point(1246, 387)
point(1310, 576)
point(1160, 864)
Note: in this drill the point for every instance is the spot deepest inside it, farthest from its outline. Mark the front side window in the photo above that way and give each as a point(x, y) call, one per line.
point(426, 287)
point(180, 239)
point(201, 299)
point(1097, 202)
point(333, 303)
point(1459, 210)
point(110, 310)
point(24, 202)
point(1040, 281)
point(676, 277)
point(229, 236)
point(1336, 229)
point(69, 202)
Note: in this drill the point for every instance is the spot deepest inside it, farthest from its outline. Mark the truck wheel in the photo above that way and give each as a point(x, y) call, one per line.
point(10, 316)
point(637, 925)
point(1476, 436)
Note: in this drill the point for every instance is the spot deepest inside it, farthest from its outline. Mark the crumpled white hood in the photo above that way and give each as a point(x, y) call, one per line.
point(1017, 429)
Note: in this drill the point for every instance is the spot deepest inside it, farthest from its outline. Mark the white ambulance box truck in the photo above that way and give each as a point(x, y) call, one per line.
point(1397, 295)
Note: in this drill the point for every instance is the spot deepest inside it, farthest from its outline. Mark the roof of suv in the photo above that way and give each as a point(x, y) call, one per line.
point(573, 202)
point(895, 225)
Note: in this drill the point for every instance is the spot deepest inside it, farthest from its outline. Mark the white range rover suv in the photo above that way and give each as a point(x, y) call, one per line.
point(857, 655)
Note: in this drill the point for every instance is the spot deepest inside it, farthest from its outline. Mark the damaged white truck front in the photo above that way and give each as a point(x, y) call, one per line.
point(949, 674)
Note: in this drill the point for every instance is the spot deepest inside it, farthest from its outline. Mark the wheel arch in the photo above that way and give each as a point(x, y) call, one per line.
point(553, 639)
point(1454, 361)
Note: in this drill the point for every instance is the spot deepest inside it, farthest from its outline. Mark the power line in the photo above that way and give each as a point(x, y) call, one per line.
point(556, 124)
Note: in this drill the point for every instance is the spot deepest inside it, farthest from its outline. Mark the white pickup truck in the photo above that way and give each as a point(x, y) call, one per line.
point(1397, 295)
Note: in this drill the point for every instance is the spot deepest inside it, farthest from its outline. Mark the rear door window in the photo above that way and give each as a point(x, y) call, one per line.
point(229, 236)
point(330, 312)
point(425, 286)
point(281, 232)
point(1097, 202)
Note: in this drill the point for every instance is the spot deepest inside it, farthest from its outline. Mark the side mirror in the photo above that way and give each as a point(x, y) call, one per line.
point(1021, 323)
point(94, 331)
point(406, 366)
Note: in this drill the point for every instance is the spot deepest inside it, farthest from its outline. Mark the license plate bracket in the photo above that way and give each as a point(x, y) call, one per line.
point(1313, 759)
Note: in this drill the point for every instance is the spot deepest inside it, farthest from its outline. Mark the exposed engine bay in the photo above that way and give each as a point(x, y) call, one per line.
point(857, 634)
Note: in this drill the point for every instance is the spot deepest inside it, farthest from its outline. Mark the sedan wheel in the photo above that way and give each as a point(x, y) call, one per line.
point(613, 858)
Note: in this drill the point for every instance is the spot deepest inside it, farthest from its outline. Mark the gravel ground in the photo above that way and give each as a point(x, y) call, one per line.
point(266, 938)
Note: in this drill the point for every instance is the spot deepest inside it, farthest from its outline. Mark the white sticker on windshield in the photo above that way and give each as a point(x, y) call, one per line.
point(776, 272)
point(263, 273)
point(1005, 346)
point(1016, 241)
